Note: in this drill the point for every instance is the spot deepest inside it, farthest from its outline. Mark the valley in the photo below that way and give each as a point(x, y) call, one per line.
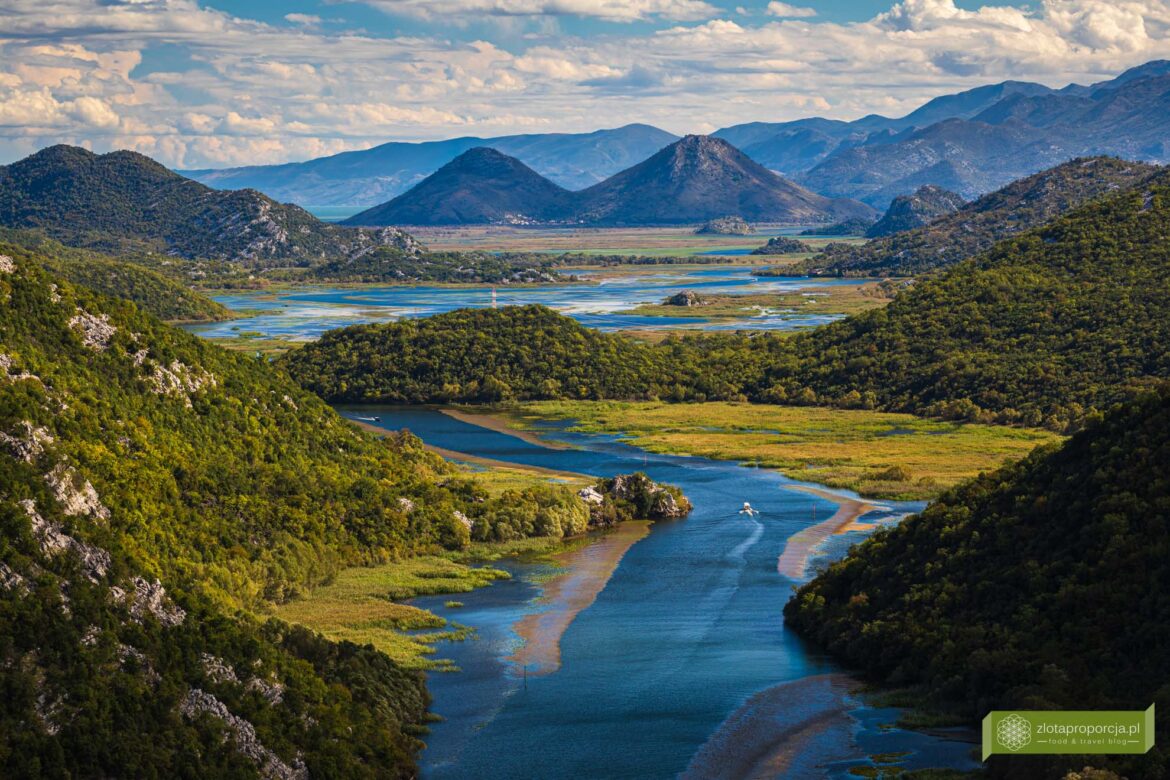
point(368, 409)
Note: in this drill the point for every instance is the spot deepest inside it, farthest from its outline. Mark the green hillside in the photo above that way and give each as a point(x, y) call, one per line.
point(156, 491)
point(1041, 330)
point(152, 292)
point(977, 226)
point(1040, 586)
point(518, 352)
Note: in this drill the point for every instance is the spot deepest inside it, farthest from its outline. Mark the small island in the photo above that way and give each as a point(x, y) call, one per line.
point(685, 298)
point(726, 226)
point(783, 245)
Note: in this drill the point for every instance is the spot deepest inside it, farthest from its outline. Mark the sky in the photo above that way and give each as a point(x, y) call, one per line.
point(220, 83)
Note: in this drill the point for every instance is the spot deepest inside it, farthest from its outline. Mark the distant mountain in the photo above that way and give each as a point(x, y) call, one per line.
point(373, 176)
point(907, 212)
point(794, 147)
point(695, 180)
point(124, 201)
point(975, 227)
point(971, 142)
point(701, 178)
point(480, 186)
point(1016, 136)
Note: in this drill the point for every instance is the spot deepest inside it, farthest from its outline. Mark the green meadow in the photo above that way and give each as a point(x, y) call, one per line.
point(876, 454)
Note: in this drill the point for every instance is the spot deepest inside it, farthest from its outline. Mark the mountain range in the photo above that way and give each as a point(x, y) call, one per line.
point(124, 202)
point(372, 176)
point(692, 180)
point(977, 226)
point(971, 142)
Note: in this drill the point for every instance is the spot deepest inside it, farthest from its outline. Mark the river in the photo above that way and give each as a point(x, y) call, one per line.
point(305, 313)
point(681, 665)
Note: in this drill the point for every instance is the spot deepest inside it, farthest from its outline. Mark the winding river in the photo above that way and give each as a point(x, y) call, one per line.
point(680, 664)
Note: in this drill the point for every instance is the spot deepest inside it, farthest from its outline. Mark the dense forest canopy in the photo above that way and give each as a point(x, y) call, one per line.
point(1041, 330)
point(154, 293)
point(1039, 586)
point(518, 352)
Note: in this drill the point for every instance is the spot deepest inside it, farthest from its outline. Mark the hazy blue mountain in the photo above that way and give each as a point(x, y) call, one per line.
point(1021, 134)
point(480, 186)
point(373, 176)
point(971, 142)
point(795, 147)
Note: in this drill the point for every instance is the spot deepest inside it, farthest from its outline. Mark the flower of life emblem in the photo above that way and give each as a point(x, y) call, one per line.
point(1014, 732)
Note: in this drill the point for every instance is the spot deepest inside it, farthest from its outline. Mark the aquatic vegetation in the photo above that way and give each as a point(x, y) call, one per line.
point(878, 454)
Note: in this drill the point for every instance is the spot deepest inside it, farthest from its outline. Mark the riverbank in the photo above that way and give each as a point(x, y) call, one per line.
point(793, 561)
point(500, 424)
point(587, 570)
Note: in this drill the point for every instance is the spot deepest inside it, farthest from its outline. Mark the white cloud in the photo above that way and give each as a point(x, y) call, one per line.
point(610, 10)
point(93, 112)
point(306, 19)
point(249, 92)
point(790, 11)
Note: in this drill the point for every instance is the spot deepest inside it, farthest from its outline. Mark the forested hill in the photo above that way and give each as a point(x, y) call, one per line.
point(152, 292)
point(1040, 586)
point(152, 486)
point(125, 202)
point(518, 352)
point(977, 226)
point(1038, 331)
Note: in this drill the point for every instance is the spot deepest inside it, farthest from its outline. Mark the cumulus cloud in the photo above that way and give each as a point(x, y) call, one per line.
point(246, 92)
point(789, 11)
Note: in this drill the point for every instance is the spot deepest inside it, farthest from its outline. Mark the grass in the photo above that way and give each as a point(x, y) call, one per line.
point(499, 479)
point(876, 454)
point(648, 241)
point(831, 299)
point(361, 606)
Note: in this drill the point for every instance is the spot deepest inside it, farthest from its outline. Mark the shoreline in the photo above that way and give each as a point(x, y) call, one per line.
point(777, 730)
point(500, 424)
point(799, 548)
point(476, 459)
point(587, 571)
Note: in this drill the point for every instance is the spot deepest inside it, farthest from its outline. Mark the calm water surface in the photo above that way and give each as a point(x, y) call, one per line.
point(686, 631)
point(304, 314)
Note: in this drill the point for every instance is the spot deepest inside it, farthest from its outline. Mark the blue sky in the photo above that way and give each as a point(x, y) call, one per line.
point(230, 82)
